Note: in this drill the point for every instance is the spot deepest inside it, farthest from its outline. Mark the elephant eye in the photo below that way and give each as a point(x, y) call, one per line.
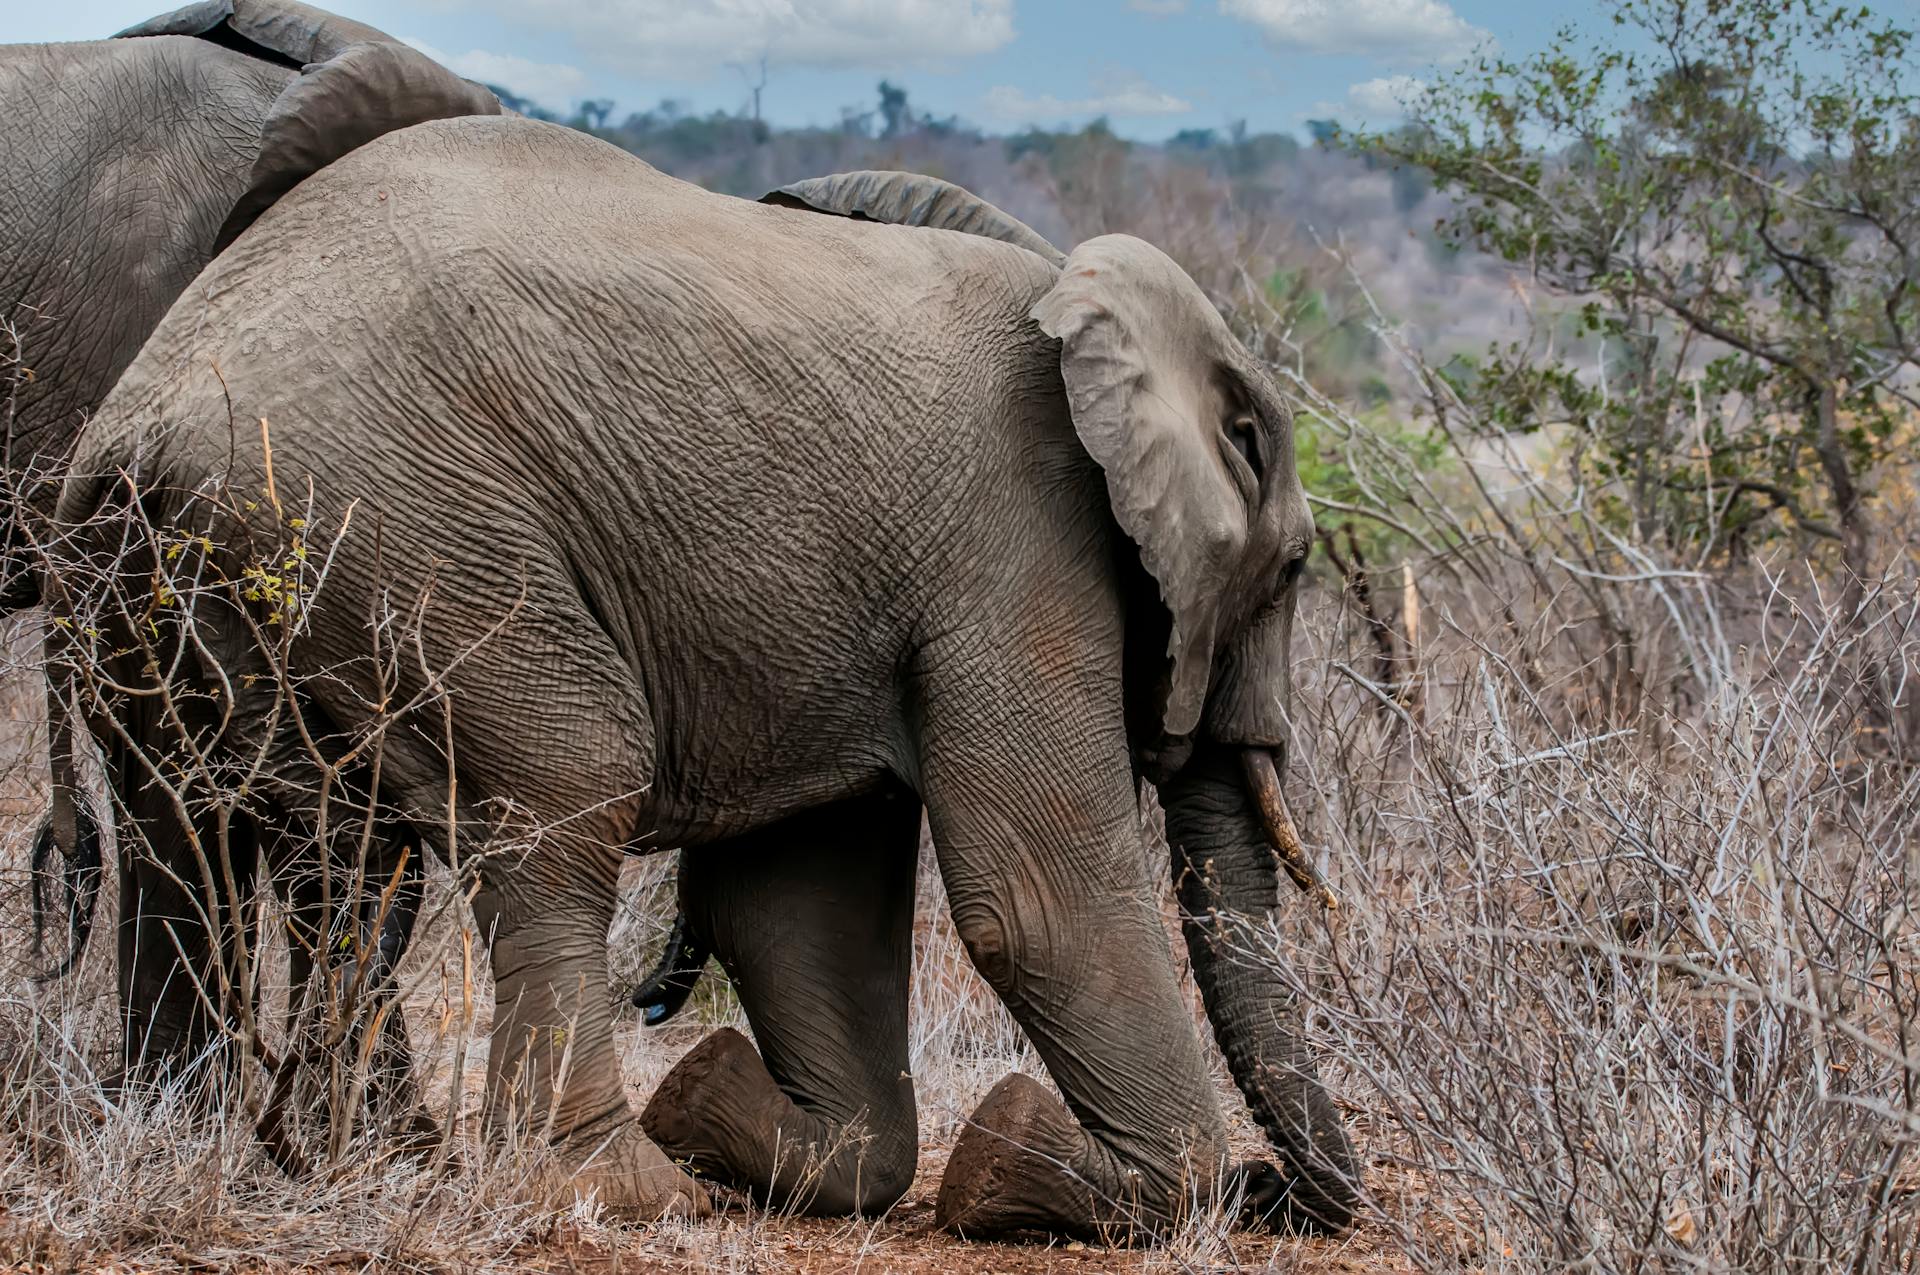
point(1242, 433)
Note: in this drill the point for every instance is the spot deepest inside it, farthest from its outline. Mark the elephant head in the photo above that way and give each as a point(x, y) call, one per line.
point(1196, 447)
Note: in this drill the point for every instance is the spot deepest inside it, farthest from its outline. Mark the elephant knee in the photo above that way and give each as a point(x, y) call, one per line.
point(988, 938)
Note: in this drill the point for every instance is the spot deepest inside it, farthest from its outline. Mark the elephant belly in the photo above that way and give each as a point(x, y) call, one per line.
point(752, 754)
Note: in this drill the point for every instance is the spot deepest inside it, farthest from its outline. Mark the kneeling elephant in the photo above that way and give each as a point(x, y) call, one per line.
point(752, 530)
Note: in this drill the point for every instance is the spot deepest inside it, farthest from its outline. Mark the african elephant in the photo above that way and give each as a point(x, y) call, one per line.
point(130, 163)
point(752, 530)
point(1284, 1098)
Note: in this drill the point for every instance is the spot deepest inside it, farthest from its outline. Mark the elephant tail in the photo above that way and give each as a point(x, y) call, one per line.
point(76, 883)
point(64, 894)
point(674, 978)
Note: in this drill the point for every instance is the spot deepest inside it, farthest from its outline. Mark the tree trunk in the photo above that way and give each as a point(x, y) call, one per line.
point(1849, 510)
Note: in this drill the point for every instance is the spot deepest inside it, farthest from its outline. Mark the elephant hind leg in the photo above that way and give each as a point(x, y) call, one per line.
point(185, 928)
point(549, 736)
point(813, 919)
point(552, 1072)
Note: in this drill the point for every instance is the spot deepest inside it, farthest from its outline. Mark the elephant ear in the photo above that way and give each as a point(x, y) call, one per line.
point(366, 91)
point(910, 199)
point(282, 31)
point(1141, 355)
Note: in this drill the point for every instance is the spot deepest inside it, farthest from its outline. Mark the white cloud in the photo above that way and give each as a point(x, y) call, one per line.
point(1385, 97)
point(1128, 95)
point(1158, 8)
point(1372, 102)
point(686, 38)
point(550, 84)
point(1409, 30)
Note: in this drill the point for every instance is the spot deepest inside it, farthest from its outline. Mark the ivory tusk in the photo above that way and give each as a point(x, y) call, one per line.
point(1263, 781)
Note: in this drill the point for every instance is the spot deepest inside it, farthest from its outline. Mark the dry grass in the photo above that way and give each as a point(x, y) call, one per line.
point(193, 1190)
point(1626, 976)
point(1600, 997)
point(1630, 999)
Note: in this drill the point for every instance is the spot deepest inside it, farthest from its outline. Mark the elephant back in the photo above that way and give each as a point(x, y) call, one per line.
point(911, 199)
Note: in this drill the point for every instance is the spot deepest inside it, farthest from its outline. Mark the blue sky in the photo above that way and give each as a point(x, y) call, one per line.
point(1152, 67)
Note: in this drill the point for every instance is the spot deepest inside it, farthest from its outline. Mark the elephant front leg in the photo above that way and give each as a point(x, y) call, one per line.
point(552, 1072)
point(1039, 845)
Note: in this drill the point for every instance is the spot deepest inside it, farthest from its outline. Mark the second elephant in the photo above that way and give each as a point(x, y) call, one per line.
point(130, 162)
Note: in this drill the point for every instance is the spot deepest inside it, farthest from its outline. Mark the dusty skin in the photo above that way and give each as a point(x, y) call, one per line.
point(1036, 531)
point(1549, 864)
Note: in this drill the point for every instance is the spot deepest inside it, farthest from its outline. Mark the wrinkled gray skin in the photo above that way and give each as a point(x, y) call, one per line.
point(125, 160)
point(1250, 1005)
point(795, 523)
point(130, 162)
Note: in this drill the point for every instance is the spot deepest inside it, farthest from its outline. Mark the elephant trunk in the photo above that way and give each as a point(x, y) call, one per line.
point(1225, 875)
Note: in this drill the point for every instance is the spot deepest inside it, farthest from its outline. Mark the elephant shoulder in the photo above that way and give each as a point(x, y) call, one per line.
point(132, 91)
point(106, 140)
point(128, 85)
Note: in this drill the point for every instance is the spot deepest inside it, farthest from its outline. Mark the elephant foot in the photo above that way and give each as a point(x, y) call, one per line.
point(721, 1111)
point(1014, 1169)
point(632, 1177)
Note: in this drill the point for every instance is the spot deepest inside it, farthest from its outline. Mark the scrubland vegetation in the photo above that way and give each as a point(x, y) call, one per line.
point(1606, 726)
